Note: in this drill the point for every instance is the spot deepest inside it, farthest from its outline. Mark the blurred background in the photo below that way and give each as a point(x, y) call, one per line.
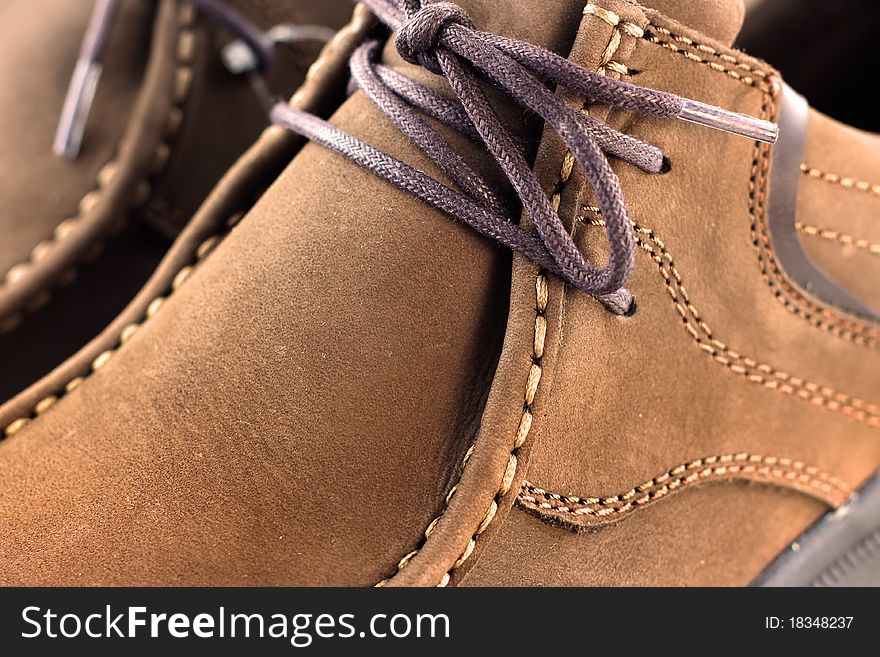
point(827, 51)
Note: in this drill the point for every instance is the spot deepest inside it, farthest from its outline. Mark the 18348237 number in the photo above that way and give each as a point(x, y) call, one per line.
point(820, 622)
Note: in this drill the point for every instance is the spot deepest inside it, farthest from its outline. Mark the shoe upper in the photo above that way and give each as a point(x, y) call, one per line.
point(710, 380)
point(348, 388)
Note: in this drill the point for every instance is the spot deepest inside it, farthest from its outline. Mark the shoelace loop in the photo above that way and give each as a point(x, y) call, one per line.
point(441, 37)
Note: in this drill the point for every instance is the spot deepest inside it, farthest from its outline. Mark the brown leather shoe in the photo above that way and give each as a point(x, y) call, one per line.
point(167, 122)
point(350, 388)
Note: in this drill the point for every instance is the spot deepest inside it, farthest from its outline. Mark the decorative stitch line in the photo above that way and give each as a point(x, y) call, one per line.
point(841, 181)
point(821, 317)
point(202, 252)
point(782, 471)
point(606, 62)
point(842, 238)
point(181, 88)
point(542, 299)
point(753, 371)
point(745, 79)
point(708, 50)
point(614, 20)
point(650, 34)
point(542, 294)
point(818, 316)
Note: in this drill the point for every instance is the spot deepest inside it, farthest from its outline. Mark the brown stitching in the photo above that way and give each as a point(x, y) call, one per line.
point(614, 21)
point(819, 317)
point(841, 181)
point(782, 471)
point(650, 34)
point(751, 370)
point(540, 326)
point(745, 79)
point(620, 27)
point(180, 92)
point(706, 50)
point(606, 62)
point(841, 238)
point(542, 298)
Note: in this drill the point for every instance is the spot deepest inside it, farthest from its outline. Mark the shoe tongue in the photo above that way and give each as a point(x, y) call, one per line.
point(551, 24)
point(719, 19)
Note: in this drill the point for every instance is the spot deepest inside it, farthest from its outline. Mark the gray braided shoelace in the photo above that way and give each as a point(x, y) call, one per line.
point(440, 37)
point(253, 53)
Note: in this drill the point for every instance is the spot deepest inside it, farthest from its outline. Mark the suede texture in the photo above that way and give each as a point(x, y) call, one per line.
point(351, 389)
point(719, 19)
point(304, 418)
point(236, 192)
point(624, 400)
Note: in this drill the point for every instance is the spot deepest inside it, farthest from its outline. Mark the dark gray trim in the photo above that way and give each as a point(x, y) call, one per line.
point(841, 549)
point(785, 176)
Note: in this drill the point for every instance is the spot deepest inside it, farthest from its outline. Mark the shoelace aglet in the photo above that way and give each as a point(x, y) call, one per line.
point(77, 104)
point(734, 123)
point(239, 57)
point(84, 83)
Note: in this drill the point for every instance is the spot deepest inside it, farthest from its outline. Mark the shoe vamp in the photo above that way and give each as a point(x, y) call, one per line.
point(293, 414)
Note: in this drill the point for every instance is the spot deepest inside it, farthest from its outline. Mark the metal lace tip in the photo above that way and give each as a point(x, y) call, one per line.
point(240, 58)
point(77, 105)
point(84, 83)
point(734, 123)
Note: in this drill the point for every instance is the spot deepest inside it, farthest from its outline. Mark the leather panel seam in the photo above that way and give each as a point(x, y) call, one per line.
point(750, 369)
point(783, 472)
point(540, 332)
point(201, 252)
point(844, 239)
point(844, 182)
point(818, 316)
point(750, 75)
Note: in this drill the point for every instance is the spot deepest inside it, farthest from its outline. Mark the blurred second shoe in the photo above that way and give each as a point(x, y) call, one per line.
point(167, 121)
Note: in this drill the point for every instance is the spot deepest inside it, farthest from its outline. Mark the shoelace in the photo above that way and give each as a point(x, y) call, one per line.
point(254, 52)
point(440, 37)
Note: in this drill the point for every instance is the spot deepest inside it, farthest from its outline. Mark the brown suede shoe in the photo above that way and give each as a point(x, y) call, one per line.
point(350, 388)
point(167, 122)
